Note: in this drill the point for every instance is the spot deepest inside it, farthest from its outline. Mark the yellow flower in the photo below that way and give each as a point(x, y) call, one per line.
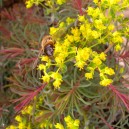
point(90, 11)
point(41, 67)
point(58, 48)
point(59, 126)
point(102, 56)
point(62, 24)
point(18, 118)
point(75, 31)
point(70, 38)
point(71, 124)
point(82, 28)
point(81, 18)
point(69, 20)
point(76, 34)
point(68, 119)
point(80, 64)
point(117, 37)
point(60, 58)
point(53, 30)
point(109, 71)
point(97, 61)
point(66, 43)
point(111, 27)
point(106, 82)
point(83, 54)
point(76, 123)
point(77, 38)
point(58, 79)
point(93, 12)
point(29, 4)
point(118, 47)
point(95, 34)
point(57, 83)
point(99, 24)
point(89, 75)
point(46, 78)
point(59, 61)
point(102, 74)
point(86, 31)
point(45, 58)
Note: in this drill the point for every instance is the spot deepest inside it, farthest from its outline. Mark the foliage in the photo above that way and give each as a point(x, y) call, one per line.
point(82, 85)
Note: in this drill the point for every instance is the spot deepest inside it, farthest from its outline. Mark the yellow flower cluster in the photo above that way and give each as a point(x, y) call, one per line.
point(23, 121)
point(83, 44)
point(77, 46)
point(30, 3)
point(70, 123)
point(82, 57)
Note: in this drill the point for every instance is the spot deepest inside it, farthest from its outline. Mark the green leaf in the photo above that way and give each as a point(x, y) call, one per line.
point(64, 68)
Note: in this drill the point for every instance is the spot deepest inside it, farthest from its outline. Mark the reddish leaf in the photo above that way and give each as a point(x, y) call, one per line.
point(123, 97)
point(27, 98)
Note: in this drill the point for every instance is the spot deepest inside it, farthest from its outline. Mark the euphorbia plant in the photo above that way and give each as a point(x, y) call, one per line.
point(82, 75)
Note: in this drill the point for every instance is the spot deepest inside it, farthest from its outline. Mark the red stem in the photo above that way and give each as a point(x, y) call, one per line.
point(79, 6)
point(123, 97)
point(30, 97)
